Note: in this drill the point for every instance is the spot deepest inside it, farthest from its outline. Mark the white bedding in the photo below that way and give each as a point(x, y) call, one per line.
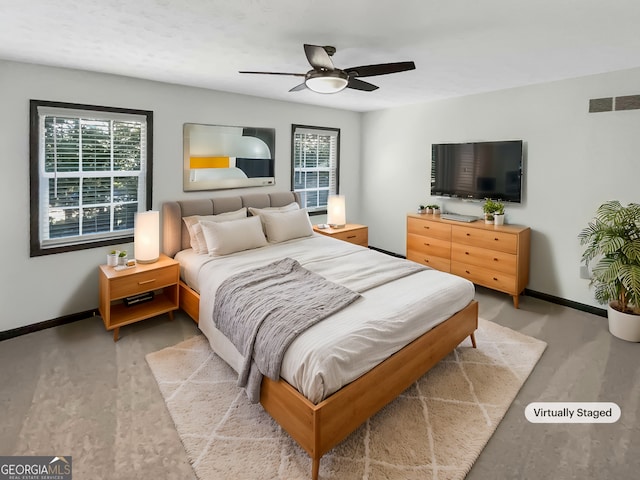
point(341, 348)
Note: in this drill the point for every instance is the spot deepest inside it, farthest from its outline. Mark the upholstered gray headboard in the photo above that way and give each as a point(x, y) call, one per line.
point(175, 236)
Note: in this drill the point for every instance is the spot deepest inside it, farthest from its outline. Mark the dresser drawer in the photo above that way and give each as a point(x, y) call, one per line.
point(359, 236)
point(129, 285)
point(429, 229)
point(439, 263)
point(485, 277)
point(428, 245)
point(501, 241)
point(482, 257)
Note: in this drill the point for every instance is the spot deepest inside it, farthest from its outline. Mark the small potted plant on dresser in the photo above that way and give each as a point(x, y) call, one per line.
point(435, 209)
point(612, 239)
point(422, 209)
point(489, 208)
point(498, 214)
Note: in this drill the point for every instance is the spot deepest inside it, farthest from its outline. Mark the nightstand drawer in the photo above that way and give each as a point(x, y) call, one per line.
point(129, 285)
point(359, 236)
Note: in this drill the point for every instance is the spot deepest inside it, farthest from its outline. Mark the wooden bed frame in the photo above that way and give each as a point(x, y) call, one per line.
point(319, 427)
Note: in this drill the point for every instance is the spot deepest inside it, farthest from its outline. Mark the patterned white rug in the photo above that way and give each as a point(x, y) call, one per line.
point(435, 430)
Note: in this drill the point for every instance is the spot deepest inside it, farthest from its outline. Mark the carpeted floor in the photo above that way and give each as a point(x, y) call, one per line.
point(435, 430)
point(72, 390)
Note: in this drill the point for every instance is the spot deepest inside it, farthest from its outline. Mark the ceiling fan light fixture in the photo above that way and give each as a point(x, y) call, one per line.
point(326, 81)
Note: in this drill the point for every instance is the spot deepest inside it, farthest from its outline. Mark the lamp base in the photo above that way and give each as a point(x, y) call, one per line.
point(153, 260)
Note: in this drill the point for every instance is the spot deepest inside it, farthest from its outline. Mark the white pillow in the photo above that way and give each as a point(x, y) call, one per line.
point(282, 226)
point(195, 233)
point(286, 208)
point(224, 238)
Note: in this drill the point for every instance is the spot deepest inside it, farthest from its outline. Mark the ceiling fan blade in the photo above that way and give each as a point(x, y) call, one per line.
point(274, 73)
point(318, 57)
point(360, 85)
point(380, 69)
point(297, 88)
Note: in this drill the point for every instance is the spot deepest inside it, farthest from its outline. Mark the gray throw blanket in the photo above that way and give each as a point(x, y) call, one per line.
point(263, 310)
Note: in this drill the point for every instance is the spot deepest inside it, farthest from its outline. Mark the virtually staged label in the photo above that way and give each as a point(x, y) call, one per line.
point(572, 412)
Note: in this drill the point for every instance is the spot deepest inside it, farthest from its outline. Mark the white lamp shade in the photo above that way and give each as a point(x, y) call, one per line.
point(336, 211)
point(147, 236)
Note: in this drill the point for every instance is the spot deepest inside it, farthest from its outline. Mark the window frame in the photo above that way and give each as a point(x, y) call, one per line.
point(111, 238)
point(337, 167)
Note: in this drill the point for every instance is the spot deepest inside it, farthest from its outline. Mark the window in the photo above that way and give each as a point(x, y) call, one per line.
point(315, 162)
point(90, 174)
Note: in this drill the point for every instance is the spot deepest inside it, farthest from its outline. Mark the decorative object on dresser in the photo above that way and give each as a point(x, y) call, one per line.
point(351, 232)
point(120, 289)
point(496, 257)
point(612, 239)
point(492, 210)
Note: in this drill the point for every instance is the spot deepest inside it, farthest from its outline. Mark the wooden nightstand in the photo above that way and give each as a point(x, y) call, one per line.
point(351, 232)
point(161, 277)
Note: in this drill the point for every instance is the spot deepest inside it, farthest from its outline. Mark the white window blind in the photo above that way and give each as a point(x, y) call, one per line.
point(315, 165)
point(92, 175)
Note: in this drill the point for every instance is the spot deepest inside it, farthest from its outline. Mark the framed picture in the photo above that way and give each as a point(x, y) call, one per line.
point(222, 157)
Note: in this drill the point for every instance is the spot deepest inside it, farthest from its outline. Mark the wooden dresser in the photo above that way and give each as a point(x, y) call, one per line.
point(493, 256)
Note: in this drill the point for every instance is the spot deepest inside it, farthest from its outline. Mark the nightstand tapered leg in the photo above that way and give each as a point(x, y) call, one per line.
point(116, 332)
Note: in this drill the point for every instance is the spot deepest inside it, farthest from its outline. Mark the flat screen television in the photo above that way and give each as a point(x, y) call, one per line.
point(477, 170)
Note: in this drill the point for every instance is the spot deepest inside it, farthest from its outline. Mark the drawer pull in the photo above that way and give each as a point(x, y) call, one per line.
point(466, 253)
point(426, 227)
point(427, 244)
point(495, 259)
point(147, 281)
point(495, 279)
point(426, 260)
point(467, 271)
point(468, 234)
point(496, 239)
point(350, 237)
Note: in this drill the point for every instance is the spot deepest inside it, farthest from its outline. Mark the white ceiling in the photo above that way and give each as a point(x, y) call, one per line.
point(460, 47)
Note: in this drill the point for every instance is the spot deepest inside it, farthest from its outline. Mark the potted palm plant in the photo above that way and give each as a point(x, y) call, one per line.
point(612, 241)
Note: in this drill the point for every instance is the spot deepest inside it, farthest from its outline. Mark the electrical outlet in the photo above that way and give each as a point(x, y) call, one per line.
point(584, 272)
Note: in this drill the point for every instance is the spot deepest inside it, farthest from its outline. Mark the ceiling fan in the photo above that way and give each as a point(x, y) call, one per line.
point(325, 78)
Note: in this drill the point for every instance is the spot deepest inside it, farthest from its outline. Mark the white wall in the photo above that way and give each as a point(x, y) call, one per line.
point(44, 288)
point(575, 160)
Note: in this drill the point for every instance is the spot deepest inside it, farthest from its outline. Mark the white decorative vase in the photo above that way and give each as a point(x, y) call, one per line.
point(498, 219)
point(624, 325)
point(112, 260)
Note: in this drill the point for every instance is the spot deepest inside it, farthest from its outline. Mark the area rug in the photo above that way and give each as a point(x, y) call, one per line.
point(435, 430)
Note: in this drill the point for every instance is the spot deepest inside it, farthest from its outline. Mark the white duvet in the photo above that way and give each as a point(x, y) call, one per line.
point(336, 351)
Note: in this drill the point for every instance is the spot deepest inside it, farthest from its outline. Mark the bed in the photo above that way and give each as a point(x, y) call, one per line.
point(320, 410)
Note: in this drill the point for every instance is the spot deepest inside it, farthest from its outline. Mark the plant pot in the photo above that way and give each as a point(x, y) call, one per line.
point(498, 219)
point(623, 325)
point(122, 260)
point(488, 218)
point(436, 211)
point(112, 260)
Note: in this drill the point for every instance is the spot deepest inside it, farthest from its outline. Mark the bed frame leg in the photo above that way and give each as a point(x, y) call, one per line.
point(473, 340)
point(315, 468)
